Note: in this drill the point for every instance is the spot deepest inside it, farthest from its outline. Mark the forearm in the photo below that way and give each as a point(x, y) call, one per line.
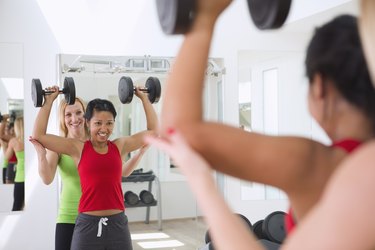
point(227, 231)
point(47, 168)
point(151, 117)
point(2, 128)
point(131, 164)
point(41, 121)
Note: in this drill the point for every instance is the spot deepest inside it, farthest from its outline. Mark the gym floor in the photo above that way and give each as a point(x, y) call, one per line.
point(179, 234)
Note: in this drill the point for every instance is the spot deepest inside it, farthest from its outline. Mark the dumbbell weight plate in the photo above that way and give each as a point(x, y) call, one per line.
point(273, 227)
point(154, 89)
point(37, 92)
point(69, 90)
point(269, 245)
point(257, 229)
point(146, 197)
point(269, 14)
point(131, 198)
point(175, 16)
point(125, 89)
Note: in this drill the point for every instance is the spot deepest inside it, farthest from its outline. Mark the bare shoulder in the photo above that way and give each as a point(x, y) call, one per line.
point(350, 196)
point(353, 182)
point(120, 142)
point(361, 162)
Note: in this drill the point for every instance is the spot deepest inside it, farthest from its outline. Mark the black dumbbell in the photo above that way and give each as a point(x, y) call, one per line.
point(176, 16)
point(131, 198)
point(257, 229)
point(269, 245)
point(126, 89)
point(37, 92)
point(273, 228)
point(146, 197)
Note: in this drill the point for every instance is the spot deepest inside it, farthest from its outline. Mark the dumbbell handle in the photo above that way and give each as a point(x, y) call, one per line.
point(142, 89)
point(50, 91)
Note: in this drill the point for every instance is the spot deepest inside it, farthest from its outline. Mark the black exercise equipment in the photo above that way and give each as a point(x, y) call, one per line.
point(146, 197)
point(269, 14)
point(37, 92)
point(1, 117)
point(131, 198)
point(126, 89)
point(269, 245)
point(257, 229)
point(176, 16)
point(139, 176)
point(273, 227)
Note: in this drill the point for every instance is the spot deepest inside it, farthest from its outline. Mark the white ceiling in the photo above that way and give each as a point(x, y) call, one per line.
point(307, 24)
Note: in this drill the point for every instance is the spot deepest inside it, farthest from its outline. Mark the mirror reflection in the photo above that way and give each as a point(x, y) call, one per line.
point(173, 206)
point(12, 148)
point(12, 185)
point(265, 106)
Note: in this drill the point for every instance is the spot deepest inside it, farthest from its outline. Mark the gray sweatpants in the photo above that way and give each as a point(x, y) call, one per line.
point(101, 233)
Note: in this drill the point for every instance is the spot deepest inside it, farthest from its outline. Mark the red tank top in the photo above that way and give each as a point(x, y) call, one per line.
point(349, 145)
point(100, 176)
point(13, 159)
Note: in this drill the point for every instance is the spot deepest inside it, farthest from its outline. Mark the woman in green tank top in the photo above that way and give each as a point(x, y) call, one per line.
point(72, 125)
point(16, 145)
point(7, 133)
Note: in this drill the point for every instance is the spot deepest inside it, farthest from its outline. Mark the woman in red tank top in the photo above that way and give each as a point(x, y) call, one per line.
point(340, 97)
point(101, 221)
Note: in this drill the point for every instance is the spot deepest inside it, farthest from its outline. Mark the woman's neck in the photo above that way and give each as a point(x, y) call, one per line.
point(346, 124)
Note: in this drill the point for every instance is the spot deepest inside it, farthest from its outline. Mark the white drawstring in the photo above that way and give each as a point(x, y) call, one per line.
point(104, 222)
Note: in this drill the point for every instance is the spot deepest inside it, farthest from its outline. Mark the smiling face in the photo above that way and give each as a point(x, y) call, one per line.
point(101, 126)
point(74, 120)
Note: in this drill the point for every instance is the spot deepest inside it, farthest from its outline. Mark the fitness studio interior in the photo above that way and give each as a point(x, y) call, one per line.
point(249, 84)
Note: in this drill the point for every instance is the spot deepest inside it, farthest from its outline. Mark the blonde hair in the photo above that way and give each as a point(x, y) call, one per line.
point(18, 128)
point(367, 32)
point(62, 106)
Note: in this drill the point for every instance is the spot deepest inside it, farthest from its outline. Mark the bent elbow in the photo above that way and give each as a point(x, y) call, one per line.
point(47, 180)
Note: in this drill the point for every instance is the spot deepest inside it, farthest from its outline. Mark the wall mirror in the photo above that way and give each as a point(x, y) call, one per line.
point(98, 77)
point(272, 100)
point(11, 103)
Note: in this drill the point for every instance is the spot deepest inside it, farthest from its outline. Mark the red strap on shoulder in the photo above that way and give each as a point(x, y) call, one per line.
point(349, 145)
point(289, 221)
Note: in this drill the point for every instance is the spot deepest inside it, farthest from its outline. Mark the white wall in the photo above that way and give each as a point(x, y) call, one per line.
point(112, 27)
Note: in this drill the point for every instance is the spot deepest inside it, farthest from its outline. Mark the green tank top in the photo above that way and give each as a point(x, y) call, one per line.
point(71, 190)
point(5, 163)
point(20, 169)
